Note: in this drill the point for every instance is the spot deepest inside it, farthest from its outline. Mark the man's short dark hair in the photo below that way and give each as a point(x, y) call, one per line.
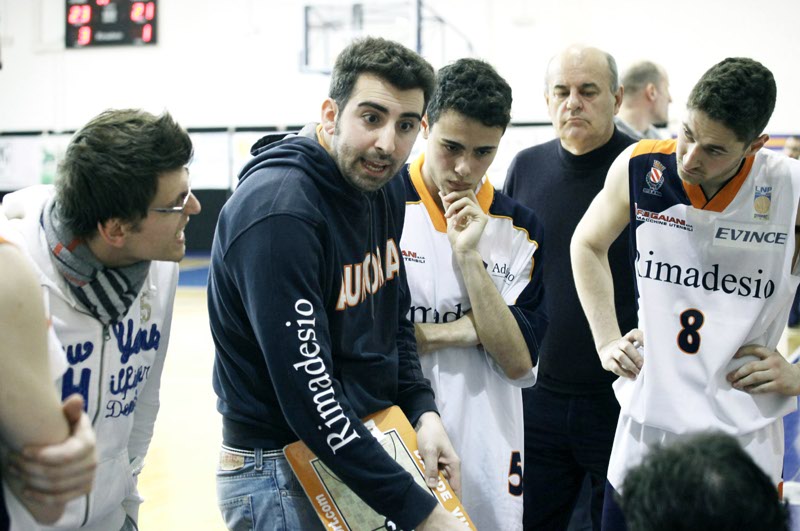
point(707, 482)
point(112, 166)
point(473, 88)
point(388, 60)
point(739, 93)
point(638, 75)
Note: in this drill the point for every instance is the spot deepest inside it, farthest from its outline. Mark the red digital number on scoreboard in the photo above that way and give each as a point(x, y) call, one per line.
point(84, 35)
point(143, 11)
point(147, 33)
point(79, 15)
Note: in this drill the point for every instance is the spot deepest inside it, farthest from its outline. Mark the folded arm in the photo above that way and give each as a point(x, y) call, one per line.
point(495, 326)
point(30, 414)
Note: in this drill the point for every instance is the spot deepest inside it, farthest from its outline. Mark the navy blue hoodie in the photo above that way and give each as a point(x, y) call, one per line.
point(307, 301)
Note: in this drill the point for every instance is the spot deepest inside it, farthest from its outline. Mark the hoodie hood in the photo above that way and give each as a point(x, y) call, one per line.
point(302, 150)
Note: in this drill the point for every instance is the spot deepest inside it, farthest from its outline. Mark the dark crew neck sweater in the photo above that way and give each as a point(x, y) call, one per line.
point(559, 187)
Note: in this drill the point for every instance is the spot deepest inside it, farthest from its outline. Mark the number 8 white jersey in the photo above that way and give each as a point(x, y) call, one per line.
point(711, 276)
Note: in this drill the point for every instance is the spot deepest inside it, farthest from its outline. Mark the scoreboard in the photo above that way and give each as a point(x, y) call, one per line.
point(110, 22)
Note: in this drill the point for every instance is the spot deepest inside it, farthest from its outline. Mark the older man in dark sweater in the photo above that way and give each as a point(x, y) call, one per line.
point(571, 413)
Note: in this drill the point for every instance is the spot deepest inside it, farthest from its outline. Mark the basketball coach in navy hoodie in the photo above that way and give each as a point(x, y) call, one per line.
point(307, 300)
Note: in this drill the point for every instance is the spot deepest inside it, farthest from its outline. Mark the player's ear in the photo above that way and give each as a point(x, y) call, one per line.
point(113, 231)
point(330, 111)
point(757, 144)
point(618, 98)
point(425, 126)
point(652, 91)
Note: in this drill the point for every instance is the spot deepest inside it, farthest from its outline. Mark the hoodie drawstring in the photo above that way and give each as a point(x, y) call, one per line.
point(371, 248)
point(372, 243)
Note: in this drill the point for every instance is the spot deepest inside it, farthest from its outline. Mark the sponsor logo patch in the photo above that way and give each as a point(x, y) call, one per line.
point(413, 256)
point(654, 179)
point(750, 236)
point(502, 271)
point(662, 219)
point(762, 202)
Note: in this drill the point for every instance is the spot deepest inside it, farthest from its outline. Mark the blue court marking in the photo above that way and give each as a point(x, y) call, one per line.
point(194, 270)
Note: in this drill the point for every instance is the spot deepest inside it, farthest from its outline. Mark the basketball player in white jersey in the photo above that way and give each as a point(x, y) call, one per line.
point(712, 217)
point(473, 260)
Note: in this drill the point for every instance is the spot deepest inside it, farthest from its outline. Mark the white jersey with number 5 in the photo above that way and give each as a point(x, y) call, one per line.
point(481, 408)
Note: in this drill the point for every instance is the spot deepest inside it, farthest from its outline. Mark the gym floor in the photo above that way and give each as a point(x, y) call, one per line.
point(177, 482)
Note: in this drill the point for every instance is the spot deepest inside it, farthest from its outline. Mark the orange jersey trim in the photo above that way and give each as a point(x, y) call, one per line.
point(645, 147)
point(721, 199)
point(724, 196)
point(485, 195)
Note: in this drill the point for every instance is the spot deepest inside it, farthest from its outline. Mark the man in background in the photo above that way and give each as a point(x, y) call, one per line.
point(474, 265)
point(646, 102)
point(571, 412)
point(791, 148)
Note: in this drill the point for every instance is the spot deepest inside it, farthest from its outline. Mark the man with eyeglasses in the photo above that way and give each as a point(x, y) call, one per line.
point(105, 241)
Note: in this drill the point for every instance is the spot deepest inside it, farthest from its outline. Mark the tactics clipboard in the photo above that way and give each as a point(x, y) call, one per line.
point(338, 507)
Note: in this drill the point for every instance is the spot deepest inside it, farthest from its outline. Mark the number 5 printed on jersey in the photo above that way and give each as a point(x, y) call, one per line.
point(515, 474)
point(689, 337)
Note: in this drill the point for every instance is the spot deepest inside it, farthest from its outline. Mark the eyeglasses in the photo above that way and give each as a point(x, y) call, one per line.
point(176, 209)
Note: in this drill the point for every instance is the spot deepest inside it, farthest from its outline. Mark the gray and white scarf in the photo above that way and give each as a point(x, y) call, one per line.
point(107, 293)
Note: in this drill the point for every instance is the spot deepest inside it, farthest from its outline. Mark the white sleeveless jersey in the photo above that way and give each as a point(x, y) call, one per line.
point(711, 276)
point(481, 409)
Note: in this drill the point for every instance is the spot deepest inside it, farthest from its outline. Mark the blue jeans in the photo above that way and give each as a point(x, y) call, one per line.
point(257, 491)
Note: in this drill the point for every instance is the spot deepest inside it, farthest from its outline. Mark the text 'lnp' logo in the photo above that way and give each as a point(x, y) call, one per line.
point(368, 277)
point(762, 202)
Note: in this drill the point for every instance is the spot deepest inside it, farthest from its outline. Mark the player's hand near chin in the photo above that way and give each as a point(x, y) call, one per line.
point(466, 220)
